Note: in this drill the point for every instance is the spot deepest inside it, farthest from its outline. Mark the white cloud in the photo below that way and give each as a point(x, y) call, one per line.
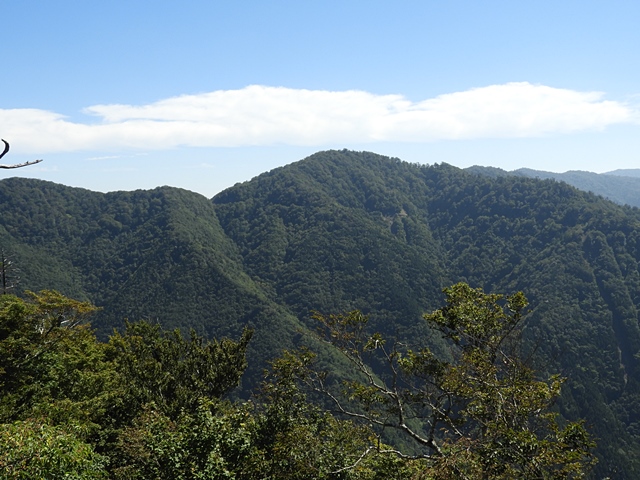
point(113, 157)
point(260, 115)
point(105, 157)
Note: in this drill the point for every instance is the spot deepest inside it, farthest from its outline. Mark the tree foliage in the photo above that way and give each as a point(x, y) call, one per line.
point(482, 413)
point(33, 333)
point(31, 449)
point(149, 404)
point(68, 402)
point(172, 372)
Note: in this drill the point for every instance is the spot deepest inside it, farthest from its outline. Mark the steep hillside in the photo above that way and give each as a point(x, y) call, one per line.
point(337, 232)
point(158, 255)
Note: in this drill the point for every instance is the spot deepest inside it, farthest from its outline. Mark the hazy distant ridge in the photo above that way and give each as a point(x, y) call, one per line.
point(628, 172)
point(620, 186)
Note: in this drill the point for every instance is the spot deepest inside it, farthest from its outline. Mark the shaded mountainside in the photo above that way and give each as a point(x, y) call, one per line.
point(342, 230)
point(620, 186)
point(158, 255)
point(339, 232)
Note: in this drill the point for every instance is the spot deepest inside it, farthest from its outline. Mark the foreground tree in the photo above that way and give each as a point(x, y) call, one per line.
point(73, 407)
point(43, 346)
point(174, 372)
point(280, 436)
point(482, 413)
point(299, 440)
point(35, 449)
point(54, 387)
point(149, 403)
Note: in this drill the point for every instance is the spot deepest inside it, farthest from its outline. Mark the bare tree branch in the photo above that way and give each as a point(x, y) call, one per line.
point(16, 165)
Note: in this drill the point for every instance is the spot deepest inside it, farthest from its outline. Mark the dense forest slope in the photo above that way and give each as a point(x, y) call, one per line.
point(342, 230)
point(157, 255)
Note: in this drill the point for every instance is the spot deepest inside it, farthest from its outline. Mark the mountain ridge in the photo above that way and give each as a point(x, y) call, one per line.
point(625, 172)
point(619, 186)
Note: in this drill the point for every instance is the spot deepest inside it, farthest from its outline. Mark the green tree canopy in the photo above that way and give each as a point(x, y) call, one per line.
point(173, 372)
point(481, 413)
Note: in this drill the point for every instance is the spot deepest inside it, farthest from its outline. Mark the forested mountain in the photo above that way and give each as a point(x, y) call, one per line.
point(620, 186)
point(157, 255)
point(346, 230)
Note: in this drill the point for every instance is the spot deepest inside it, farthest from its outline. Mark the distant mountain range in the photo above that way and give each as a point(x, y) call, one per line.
point(625, 172)
point(620, 186)
point(345, 230)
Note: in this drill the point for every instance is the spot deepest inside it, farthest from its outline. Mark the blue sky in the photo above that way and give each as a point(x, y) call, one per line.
point(203, 94)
